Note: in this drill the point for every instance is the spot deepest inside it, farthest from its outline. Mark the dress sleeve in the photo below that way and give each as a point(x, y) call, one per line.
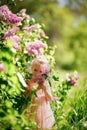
point(48, 90)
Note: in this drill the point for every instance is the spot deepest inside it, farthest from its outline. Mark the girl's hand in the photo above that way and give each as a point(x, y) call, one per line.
point(29, 83)
point(42, 86)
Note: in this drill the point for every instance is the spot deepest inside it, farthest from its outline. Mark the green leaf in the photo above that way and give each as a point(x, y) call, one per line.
point(56, 78)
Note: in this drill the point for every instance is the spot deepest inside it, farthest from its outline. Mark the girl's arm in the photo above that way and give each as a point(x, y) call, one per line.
point(47, 90)
point(28, 88)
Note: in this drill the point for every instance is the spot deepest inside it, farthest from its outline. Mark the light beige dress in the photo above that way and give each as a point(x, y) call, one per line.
point(44, 115)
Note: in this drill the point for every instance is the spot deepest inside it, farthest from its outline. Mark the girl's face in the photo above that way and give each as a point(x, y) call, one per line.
point(36, 70)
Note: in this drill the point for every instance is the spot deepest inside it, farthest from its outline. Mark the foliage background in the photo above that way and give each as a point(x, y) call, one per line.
point(65, 22)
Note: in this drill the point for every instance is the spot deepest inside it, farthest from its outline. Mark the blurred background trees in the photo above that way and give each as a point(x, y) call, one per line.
point(65, 22)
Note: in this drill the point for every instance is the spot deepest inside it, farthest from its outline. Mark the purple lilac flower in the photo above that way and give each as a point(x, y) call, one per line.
point(39, 78)
point(34, 48)
point(76, 76)
point(10, 32)
point(71, 79)
point(8, 17)
point(24, 15)
point(31, 28)
point(42, 76)
point(16, 46)
point(40, 44)
point(42, 34)
point(22, 11)
point(46, 71)
point(32, 51)
point(13, 18)
point(16, 40)
point(2, 68)
point(4, 10)
point(27, 17)
point(73, 82)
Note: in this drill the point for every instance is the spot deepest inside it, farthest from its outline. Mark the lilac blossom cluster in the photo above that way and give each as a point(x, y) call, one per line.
point(42, 76)
point(30, 28)
point(8, 17)
point(72, 79)
point(42, 34)
point(23, 14)
point(16, 40)
point(34, 48)
point(2, 68)
point(10, 32)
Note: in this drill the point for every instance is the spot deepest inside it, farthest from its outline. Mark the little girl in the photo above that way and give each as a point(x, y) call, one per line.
point(44, 115)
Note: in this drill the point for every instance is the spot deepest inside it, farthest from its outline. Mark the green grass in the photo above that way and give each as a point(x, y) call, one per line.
point(71, 114)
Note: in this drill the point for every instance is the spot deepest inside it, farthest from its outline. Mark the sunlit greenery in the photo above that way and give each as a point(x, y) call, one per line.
point(65, 23)
point(66, 36)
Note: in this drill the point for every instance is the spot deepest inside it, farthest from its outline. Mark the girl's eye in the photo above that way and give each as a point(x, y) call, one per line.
point(35, 69)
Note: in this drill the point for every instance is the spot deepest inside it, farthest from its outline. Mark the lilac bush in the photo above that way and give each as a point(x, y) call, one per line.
point(20, 42)
point(8, 17)
point(10, 32)
point(35, 47)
